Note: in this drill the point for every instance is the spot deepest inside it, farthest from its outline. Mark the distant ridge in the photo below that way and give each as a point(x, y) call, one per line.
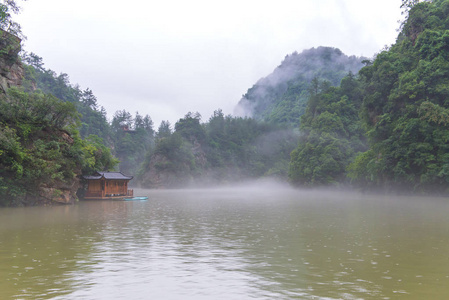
point(281, 97)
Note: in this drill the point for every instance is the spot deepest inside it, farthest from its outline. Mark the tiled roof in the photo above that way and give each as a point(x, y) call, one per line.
point(115, 175)
point(109, 175)
point(92, 177)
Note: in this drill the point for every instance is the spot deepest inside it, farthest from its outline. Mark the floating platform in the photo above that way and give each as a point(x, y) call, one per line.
point(141, 198)
point(105, 198)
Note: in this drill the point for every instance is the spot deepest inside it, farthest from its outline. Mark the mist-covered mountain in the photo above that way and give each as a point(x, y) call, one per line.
point(281, 97)
point(226, 148)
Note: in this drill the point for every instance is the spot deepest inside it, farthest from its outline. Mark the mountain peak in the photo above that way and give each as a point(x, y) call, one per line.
point(281, 96)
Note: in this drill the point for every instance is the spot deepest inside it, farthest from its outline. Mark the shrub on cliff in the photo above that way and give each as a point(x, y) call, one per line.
point(40, 148)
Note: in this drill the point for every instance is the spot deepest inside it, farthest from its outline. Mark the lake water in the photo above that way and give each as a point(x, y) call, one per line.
point(243, 243)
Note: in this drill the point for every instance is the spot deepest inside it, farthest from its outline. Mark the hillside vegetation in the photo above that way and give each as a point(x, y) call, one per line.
point(403, 96)
point(282, 96)
point(128, 137)
point(228, 149)
point(320, 119)
point(224, 149)
point(41, 152)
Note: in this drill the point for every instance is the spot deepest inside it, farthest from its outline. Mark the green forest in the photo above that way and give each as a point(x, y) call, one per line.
point(321, 119)
point(385, 129)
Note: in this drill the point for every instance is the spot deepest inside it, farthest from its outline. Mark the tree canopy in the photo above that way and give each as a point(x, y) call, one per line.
point(402, 97)
point(282, 96)
point(7, 9)
point(40, 146)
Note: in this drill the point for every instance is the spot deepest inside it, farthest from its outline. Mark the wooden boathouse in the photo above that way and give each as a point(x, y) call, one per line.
point(107, 185)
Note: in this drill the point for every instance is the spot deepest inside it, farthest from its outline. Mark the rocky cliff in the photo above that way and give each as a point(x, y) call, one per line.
point(11, 70)
point(21, 138)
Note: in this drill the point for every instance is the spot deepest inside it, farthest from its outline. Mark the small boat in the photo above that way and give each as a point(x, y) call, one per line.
point(141, 198)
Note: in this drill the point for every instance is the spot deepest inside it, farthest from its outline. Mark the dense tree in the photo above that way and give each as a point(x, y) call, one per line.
point(164, 130)
point(121, 119)
point(7, 9)
point(93, 118)
point(405, 106)
point(133, 137)
point(281, 97)
point(331, 134)
point(33, 60)
point(404, 110)
point(10, 33)
point(130, 137)
point(190, 128)
point(88, 99)
point(40, 147)
point(223, 149)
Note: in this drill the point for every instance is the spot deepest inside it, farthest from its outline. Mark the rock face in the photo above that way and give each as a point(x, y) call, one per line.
point(11, 70)
point(10, 76)
point(60, 194)
point(159, 176)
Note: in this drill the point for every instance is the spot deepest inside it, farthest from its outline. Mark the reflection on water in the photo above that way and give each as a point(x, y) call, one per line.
point(228, 244)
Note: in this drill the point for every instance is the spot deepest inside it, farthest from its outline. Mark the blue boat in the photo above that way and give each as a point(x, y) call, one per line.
point(136, 198)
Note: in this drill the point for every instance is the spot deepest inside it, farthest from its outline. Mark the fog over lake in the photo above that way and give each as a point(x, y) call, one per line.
point(256, 242)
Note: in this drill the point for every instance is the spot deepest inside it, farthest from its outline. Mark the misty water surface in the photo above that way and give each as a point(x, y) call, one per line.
point(244, 243)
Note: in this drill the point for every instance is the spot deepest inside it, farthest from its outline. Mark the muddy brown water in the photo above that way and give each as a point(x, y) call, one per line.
point(258, 242)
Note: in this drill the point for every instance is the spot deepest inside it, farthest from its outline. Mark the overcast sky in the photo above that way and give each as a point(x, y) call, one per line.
point(168, 57)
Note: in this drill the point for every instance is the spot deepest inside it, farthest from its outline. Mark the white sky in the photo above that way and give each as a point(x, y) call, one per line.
point(168, 57)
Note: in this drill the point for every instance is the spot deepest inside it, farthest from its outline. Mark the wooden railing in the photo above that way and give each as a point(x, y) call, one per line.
point(93, 194)
point(101, 194)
